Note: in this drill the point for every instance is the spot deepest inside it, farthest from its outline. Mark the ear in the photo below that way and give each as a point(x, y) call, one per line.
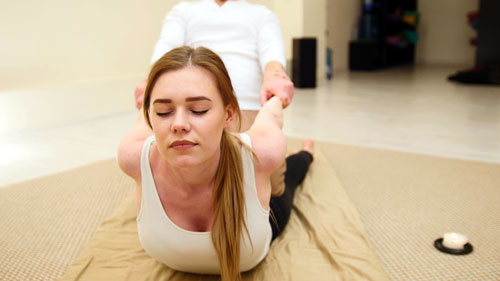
point(229, 116)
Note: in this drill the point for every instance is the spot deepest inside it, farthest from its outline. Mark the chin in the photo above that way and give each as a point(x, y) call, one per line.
point(185, 161)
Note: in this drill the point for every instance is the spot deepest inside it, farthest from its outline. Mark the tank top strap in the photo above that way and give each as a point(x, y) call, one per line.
point(147, 181)
point(145, 166)
point(251, 194)
point(246, 139)
point(247, 158)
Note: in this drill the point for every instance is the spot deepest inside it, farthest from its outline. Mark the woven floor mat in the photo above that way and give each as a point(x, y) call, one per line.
point(46, 221)
point(406, 201)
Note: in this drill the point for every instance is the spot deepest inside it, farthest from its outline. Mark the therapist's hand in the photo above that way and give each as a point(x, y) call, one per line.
point(140, 89)
point(276, 83)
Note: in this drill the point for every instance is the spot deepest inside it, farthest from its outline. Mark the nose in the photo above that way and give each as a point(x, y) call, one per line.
point(180, 122)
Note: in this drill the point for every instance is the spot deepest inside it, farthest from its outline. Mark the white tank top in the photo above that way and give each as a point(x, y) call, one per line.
point(190, 251)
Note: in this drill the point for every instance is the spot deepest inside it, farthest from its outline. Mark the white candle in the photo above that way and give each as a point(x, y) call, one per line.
point(456, 241)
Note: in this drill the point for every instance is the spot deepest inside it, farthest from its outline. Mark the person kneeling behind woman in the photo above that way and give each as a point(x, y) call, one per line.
point(203, 193)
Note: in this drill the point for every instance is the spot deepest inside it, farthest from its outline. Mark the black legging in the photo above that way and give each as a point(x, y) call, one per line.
point(296, 169)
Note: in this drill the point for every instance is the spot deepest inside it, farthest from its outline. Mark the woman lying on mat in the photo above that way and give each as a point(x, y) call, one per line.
point(204, 194)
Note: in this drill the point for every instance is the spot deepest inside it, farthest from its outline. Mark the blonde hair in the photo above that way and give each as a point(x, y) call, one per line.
point(228, 194)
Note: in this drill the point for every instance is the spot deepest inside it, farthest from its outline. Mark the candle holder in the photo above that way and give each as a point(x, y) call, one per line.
point(439, 245)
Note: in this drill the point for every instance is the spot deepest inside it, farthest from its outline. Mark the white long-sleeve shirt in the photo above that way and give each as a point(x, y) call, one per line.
point(246, 36)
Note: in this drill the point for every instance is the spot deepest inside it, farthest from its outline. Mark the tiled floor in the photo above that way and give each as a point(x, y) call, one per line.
point(44, 131)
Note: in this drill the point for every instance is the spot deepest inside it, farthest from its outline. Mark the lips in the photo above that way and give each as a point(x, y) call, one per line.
point(182, 145)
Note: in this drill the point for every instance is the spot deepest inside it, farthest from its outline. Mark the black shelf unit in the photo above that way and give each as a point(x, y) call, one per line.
point(488, 33)
point(376, 53)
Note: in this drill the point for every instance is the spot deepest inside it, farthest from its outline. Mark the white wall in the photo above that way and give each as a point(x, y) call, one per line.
point(46, 42)
point(444, 32)
point(315, 26)
point(55, 41)
point(342, 17)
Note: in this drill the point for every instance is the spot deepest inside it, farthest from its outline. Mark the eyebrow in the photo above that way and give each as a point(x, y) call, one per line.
point(162, 101)
point(198, 98)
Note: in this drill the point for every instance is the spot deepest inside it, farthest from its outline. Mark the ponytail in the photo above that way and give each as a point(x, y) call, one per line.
point(229, 202)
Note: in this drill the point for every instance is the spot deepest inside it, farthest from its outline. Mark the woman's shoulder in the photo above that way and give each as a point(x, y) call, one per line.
point(130, 153)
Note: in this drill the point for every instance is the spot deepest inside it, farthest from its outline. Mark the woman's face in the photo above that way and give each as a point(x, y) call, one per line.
point(188, 116)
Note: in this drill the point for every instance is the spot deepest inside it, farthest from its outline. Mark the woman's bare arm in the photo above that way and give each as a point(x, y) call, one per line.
point(268, 140)
point(129, 151)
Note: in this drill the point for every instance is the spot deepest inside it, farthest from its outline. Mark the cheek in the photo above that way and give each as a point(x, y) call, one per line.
point(161, 132)
point(212, 124)
point(211, 133)
point(159, 128)
point(212, 146)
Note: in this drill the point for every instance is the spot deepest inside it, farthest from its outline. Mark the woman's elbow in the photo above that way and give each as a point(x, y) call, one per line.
point(128, 160)
point(277, 151)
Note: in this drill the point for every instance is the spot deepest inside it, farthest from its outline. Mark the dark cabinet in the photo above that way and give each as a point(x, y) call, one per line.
point(386, 35)
point(488, 33)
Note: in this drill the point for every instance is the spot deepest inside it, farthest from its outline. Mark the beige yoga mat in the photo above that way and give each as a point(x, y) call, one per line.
point(324, 240)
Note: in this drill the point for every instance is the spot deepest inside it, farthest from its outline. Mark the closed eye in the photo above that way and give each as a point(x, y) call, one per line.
point(163, 113)
point(199, 112)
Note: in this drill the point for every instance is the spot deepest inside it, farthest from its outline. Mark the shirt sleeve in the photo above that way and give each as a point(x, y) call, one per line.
point(270, 40)
point(173, 31)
